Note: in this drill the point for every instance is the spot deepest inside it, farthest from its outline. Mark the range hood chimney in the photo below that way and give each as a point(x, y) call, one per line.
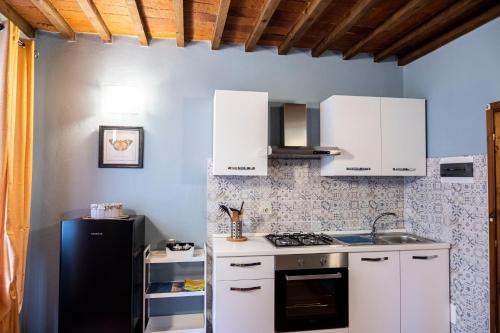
point(294, 136)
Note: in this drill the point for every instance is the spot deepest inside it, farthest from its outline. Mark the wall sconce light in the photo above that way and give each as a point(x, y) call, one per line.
point(122, 99)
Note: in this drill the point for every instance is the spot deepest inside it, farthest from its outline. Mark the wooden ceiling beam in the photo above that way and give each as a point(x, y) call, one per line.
point(437, 22)
point(140, 26)
point(484, 17)
point(96, 19)
point(179, 22)
point(356, 12)
point(11, 14)
point(220, 22)
point(306, 20)
point(396, 19)
point(55, 18)
point(261, 24)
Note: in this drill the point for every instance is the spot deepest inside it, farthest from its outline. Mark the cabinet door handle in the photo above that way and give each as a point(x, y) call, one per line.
point(357, 169)
point(404, 169)
point(251, 264)
point(425, 257)
point(375, 259)
point(245, 289)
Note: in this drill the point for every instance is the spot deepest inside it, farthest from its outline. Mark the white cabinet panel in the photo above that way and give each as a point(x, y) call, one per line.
point(425, 291)
point(240, 132)
point(403, 137)
point(351, 123)
point(374, 292)
point(245, 306)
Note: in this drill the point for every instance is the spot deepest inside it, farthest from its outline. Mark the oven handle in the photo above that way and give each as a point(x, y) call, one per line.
point(313, 277)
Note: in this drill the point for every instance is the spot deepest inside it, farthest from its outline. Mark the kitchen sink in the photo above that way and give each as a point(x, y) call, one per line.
point(402, 239)
point(382, 239)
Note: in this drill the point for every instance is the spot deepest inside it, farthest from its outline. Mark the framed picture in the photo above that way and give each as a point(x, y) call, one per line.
point(121, 147)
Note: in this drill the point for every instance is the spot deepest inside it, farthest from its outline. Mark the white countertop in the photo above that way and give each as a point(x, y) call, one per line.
point(260, 246)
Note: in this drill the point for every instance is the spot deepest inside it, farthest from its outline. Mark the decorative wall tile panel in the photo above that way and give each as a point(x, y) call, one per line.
point(294, 197)
point(457, 214)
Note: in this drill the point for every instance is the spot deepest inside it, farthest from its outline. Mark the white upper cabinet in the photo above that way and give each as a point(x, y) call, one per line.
point(403, 137)
point(351, 123)
point(376, 136)
point(240, 133)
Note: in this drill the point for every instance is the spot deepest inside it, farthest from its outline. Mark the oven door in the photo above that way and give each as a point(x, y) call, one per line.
point(311, 299)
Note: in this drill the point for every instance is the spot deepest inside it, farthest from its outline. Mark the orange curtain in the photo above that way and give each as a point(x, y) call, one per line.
point(15, 177)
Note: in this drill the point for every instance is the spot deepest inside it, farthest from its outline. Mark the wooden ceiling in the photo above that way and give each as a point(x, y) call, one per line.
point(407, 29)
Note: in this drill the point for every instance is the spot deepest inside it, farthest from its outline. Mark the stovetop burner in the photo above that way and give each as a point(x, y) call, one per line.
point(299, 239)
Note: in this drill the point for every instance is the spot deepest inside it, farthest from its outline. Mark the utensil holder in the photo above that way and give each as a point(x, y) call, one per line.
point(236, 230)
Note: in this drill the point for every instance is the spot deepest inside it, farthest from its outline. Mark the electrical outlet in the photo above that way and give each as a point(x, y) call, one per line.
point(453, 313)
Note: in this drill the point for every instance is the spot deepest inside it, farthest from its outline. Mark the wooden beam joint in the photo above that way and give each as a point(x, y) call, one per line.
point(96, 19)
point(306, 20)
point(220, 22)
point(12, 15)
point(346, 23)
point(55, 18)
point(261, 24)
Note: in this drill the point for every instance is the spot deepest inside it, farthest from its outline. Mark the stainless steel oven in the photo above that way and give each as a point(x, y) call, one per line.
point(311, 292)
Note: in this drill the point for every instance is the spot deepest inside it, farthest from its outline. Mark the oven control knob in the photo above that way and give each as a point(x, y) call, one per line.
point(323, 261)
point(300, 262)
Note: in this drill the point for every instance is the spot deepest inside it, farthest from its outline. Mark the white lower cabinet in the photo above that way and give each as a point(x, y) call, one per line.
point(374, 292)
point(425, 291)
point(243, 295)
point(244, 306)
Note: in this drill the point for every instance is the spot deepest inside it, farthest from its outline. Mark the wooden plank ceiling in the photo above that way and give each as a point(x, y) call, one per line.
point(407, 29)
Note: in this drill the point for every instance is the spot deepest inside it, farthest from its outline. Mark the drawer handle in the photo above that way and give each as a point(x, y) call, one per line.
point(357, 169)
point(425, 257)
point(245, 289)
point(375, 259)
point(251, 264)
point(404, 169)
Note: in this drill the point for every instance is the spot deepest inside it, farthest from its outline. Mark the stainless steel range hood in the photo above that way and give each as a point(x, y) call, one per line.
point(294, 136)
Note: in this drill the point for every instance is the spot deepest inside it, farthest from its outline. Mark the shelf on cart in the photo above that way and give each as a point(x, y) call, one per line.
point(161, 257)
point(186, 323)
point(170, 289)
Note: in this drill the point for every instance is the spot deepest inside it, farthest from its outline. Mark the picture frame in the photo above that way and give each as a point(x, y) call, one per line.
point(121, 147)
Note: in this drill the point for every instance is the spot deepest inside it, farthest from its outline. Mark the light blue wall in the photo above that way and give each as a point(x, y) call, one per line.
point(458, 80)
point(171, 189)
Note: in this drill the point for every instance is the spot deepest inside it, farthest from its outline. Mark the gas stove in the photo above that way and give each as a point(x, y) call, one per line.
point(300, 239)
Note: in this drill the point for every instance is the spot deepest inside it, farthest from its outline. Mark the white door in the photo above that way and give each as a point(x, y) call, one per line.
point(374, 293)
point(240, 133)
point(403, 137)
point(351, 123)
point(425, 291)
point(244, 306)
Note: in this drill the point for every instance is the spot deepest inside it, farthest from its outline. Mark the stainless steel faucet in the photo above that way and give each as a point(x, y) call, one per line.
point(374, 223)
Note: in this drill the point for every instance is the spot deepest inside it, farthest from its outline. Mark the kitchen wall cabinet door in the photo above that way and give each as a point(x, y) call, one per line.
point(374, 292)
point(240, 133)
point(244, 306)
point(351, 123)
point(425, 291)
point(403, 137)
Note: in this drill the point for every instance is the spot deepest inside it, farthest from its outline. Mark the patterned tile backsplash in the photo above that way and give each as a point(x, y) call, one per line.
point(456, 214)
point(294, 197)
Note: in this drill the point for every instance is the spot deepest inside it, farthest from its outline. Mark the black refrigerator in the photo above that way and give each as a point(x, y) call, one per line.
point(101, 276)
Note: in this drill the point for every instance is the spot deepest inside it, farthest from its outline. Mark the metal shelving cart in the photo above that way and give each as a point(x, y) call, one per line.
point(182, 323)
